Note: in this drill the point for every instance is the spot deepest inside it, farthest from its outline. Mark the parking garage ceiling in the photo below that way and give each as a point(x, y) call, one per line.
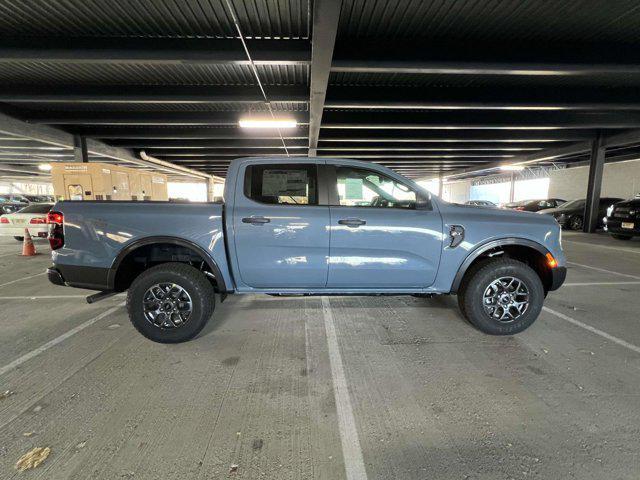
point(425, 87)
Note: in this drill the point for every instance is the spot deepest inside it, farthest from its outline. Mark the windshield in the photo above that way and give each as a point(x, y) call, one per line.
point(37, 208)
point(574, 204)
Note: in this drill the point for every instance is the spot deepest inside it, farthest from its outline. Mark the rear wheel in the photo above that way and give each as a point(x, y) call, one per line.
point(621, 237)
point(576, 222)
point(20, 239)
point(502, 297)
point(170, 303)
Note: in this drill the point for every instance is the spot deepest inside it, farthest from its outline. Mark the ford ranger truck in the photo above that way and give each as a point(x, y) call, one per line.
point(313, 226)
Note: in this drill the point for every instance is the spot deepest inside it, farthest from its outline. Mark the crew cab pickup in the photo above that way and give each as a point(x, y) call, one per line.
point(313, 226)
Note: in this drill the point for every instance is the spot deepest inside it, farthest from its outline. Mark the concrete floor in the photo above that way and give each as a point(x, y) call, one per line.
point(389, 387)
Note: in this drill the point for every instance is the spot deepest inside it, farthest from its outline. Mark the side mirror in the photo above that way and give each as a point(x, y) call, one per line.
point(423, 201)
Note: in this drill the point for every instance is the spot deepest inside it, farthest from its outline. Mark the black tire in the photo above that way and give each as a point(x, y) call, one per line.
point(477, 281)
point(20, 239)
point(192, 281)
point(621, 237)
point(576, 222)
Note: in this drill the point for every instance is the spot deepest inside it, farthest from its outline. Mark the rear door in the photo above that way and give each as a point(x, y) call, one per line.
point(378, 237)
point(280, 226)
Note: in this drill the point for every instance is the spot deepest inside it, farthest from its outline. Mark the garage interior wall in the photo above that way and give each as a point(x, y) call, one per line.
point(620, 179)
point(26, 187)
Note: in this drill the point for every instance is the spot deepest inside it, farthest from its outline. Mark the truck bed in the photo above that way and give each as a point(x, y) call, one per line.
point(97, 233)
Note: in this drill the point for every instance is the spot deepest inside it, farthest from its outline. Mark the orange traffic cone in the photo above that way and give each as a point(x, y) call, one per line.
point(28, 248)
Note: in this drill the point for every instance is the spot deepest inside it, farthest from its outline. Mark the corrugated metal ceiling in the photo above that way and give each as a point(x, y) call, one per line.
point(493, 20)
point(68, 73)
point(156, 18)
point(561, 27)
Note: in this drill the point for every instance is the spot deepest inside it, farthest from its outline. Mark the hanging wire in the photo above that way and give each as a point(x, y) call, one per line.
point(255, 70)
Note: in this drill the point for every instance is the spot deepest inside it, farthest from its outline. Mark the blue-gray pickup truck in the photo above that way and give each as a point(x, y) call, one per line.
point(313, 226)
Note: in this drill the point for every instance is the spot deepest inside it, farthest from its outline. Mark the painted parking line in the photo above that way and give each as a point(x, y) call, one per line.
point(351, 450)
point(606, 247)
point(603, 270)
point(43, 348)
point(594, 330)
point(589, 284)
point(21, 279)
point(42, 297)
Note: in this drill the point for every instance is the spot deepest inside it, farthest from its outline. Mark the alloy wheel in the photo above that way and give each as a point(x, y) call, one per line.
point(506, 299)
point(167, 305)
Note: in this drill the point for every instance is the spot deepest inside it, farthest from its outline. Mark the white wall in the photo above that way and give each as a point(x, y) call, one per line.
point(620, 179)
point(456, 192)
point(194, 192)
point(39, 188)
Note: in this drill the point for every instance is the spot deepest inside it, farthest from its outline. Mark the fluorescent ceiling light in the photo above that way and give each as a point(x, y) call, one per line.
point(267, 123)
point(45, 167)
point(512, 168)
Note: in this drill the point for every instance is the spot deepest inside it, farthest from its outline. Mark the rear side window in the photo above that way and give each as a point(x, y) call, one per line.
point(295, 184)
point(37, 208)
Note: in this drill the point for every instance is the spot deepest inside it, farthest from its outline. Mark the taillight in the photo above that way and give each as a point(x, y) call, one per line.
point(520, 209)
point(56, 229)
point(55, 217)
point(38, 221)
point(4, 220)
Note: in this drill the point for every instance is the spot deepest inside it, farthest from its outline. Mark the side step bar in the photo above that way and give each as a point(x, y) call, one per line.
point(96, 297)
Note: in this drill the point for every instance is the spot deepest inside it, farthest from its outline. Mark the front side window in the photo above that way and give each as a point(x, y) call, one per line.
point(282, 184)
point(366, 188)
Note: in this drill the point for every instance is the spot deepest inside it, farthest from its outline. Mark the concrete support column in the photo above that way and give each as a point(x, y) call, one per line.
point(594, 185)
point(80, 154)
point(210, 184)
point(512, 187)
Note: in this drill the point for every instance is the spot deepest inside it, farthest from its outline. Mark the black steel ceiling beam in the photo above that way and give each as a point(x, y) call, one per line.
point(507, 120)
point(154, 50)
point(501, 120)
point(482, 98)
point(227, 119)
point(326, 16)
point(154, 94)
point(371, 153)
point(455, 136)
point(459, 58)
point(343, 136)
point(181, 134)
point(429, 147)
point(168, 154)
point(198, 144)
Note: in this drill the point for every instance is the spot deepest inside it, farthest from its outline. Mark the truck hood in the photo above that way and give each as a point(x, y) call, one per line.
point(500, 214)
point(634, 202)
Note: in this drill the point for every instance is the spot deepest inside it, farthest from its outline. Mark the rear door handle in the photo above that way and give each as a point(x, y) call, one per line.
point(256, 220)
point(352, 222)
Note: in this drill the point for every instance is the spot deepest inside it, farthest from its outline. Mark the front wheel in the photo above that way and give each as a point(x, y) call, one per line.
point(502, 297)
point(576, 222)
point(170, 303)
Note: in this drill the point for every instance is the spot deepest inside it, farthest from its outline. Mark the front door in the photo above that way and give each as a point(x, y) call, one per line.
point(280, 231)
point(378, 237)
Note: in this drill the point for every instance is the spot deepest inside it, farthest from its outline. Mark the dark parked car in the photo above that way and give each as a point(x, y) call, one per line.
point(571, 214)
point(623, 219)
point(25, 198)
point(535, 205)
point(481, 203)
point(11, 207)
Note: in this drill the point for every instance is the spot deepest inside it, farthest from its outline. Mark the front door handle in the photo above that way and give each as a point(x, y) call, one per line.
point(352, 222)
point(256, 220)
